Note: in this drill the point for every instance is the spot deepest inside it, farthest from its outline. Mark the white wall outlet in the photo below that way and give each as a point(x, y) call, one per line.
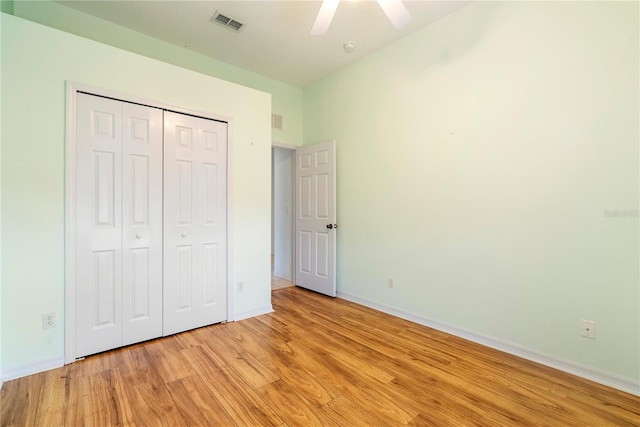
point(588, 329)
point(240, 286)
point(48, 320)
point(391, 282)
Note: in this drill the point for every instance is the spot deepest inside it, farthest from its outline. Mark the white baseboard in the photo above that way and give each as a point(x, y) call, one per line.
point(253, 313)
point(42, 365)
point(610, 379)
point(24, 369)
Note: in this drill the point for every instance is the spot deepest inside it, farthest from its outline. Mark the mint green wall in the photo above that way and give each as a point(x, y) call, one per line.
point(476, 161)
point(286, 99)
point(6, 6)
point(36, 61)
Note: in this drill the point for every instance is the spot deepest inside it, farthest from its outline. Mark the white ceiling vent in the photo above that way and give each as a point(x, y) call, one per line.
point(226, 21)
point(276, 121)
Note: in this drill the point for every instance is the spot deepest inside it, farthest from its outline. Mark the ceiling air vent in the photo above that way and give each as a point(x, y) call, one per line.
point(226, 21)
point(276, 121)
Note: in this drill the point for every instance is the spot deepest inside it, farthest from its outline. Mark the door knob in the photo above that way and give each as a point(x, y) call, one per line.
point(329, 226)
point(184, 234)
point(139, 236)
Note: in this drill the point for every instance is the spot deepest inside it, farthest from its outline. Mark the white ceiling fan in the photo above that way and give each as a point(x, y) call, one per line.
point(394, 9)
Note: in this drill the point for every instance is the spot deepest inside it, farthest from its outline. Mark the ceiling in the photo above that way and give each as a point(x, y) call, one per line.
point(275, 40)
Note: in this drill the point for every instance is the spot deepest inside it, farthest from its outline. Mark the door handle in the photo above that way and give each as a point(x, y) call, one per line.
point(139, 236)
point(329, 226)
point(184, 234)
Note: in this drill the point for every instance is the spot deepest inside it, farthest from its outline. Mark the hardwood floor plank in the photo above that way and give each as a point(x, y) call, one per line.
point(424, 420)
point(197, 405)
point(303, 358)
point(242, 361)
point(166, 356)
point(440, 398)
point(20, 394)
point(343, 412)
point(237, 397)
point(88, 419)
point(245, 338)
point(50, 405)
point(286, 368)
point(74, 390)
point(294, 409)
point(530, 391)
point(314, 361)
point(105, 406)
point(136, 366)
point(153, 406)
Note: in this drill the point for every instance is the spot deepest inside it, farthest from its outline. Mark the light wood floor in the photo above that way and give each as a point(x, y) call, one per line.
point(279, 283)
point(315, 361)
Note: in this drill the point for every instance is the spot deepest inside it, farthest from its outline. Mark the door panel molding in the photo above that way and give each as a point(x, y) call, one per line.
point(315, 234)
point(194, 222)
point(71, 184)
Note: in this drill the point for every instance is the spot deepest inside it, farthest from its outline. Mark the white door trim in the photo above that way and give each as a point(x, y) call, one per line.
point(70, 228)
point(72, 88)
point(287, 146)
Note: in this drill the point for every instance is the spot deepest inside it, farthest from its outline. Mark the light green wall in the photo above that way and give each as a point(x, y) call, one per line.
point(476, 161)
point(286, 99)
point(6, 6)
point(36, 62)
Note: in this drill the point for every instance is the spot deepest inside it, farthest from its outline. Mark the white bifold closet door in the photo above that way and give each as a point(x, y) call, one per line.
point(195, 223)
point(118, 220)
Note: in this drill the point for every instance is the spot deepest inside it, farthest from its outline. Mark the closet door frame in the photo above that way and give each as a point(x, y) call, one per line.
point(72, 89)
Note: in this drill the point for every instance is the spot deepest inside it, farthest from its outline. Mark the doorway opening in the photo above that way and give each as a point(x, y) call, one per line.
point(282, 217)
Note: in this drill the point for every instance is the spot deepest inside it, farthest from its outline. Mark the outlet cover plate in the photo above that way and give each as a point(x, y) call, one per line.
point(588, 329)
point(48, 320)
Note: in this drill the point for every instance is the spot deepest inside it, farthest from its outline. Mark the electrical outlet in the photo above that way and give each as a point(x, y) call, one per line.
point(48, 320)
point(240, 286)
point(588, 329)
point(391, 282)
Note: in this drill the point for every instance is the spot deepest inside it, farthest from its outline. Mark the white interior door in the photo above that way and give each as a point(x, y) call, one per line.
point(195, 223)
point(141, 223)
point(316, 218)
point(118, 224)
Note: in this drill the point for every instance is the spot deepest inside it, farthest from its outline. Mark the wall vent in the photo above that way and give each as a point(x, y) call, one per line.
point(276, 121)
point(226, 21)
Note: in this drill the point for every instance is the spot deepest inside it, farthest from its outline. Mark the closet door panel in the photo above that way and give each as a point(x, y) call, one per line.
point(98, 225)
point(141, 223)
point(195, 275)
point(118, 224)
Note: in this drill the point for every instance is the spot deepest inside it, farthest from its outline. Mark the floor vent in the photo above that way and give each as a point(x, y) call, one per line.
point(226, 21)
point(276, 121)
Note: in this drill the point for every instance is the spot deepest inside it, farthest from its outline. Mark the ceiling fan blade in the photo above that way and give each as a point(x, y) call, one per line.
point(324, 18)
point(396, 12)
